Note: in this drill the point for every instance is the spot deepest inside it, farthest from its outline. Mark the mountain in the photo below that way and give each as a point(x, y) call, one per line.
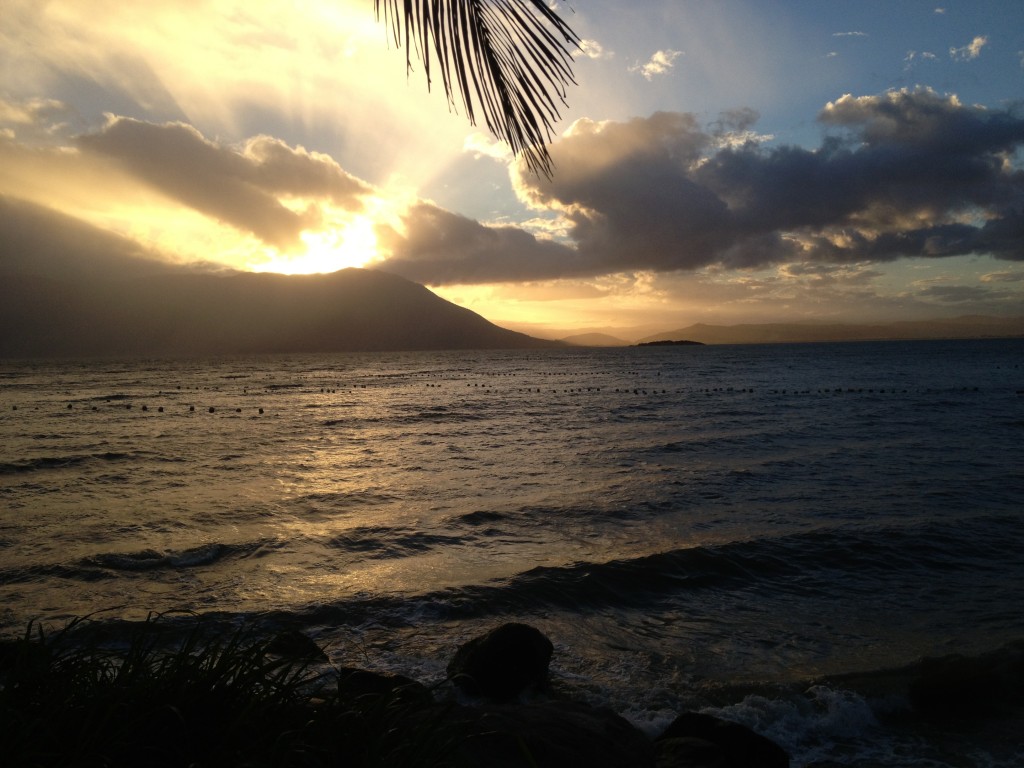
point(69, 289)
point(965, 327)
point(196, 314)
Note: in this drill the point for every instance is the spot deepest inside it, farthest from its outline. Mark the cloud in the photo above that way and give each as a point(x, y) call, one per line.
point(902, 174)
point(592, 49)
point(849, 34)
point(484, 145)
point(35, 119)
point(659, 64)
point(240, 186)
point(970, 51)
point(1003, 277)
point(733, 128)
point(958, 294)
point(830, 274)
point(905, 174)
point(914, 56)
point(438, 247)
point(316, 74)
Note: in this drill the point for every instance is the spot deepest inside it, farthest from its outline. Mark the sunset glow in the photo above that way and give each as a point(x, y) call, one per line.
point(352, 245)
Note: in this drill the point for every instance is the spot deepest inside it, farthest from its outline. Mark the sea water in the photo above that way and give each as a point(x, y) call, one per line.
point(736, 529)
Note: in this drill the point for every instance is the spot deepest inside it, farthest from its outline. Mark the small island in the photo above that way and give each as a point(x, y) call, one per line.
point(668, 343)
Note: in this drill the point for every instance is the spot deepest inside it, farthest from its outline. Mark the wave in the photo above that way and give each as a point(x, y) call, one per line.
point(380, 543)
point(43, 463)
point(60, 462)
point(430, 415)
point(151, 559)
point(38, 573)
point(823, 565)
point(481, 517)
point(332, 501)
point(810, 563)
point(543, 517)
point(931, 712)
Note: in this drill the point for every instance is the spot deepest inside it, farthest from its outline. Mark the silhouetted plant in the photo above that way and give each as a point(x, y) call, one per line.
point(512, 59)
point(152, 695)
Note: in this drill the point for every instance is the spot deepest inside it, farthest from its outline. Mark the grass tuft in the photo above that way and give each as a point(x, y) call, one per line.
point(203, 697)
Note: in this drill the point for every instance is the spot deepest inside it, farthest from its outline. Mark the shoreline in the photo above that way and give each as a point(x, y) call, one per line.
point(260, 683)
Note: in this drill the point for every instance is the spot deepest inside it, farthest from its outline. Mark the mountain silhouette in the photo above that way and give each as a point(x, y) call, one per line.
point(196, 314)
point(964, 327)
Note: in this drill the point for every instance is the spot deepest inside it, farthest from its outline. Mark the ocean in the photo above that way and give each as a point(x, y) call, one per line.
point(760, 532)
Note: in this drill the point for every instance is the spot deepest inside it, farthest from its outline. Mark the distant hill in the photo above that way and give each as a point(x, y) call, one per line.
point(595, 340)
point(966, 327)
point(188, 314)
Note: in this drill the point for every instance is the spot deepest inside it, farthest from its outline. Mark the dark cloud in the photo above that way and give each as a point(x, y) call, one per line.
point(735, 121)
point(440, 247)
point(903, 174)
point(238, 187)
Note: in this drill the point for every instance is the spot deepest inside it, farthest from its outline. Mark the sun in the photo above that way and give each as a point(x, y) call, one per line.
point(351, 244)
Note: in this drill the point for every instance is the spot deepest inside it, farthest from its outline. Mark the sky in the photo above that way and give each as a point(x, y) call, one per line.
point(736, 161)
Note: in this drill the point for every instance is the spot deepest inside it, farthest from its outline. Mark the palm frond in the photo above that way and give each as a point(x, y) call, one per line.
point(511, 60)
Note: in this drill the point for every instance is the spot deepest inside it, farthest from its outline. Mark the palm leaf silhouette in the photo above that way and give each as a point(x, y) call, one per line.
point(509, 59)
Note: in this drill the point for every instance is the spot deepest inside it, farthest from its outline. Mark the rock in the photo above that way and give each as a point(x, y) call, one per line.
point(549, 735)
point(690, 752)
point(293, 644)
point(502, 663)
point(740, 747)
point(951, 687)
point(363, 685)
point(954, 687)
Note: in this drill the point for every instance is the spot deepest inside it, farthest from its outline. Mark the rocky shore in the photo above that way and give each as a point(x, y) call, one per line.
point(513, 723)
point(165, 694)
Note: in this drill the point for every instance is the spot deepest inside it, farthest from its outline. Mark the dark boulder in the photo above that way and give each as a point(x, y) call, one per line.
point(360, 685)
point(553, 734)
point(954, 687)
point(690, 753)
point(502, 663)
point(293, 644)
point(739, 746)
